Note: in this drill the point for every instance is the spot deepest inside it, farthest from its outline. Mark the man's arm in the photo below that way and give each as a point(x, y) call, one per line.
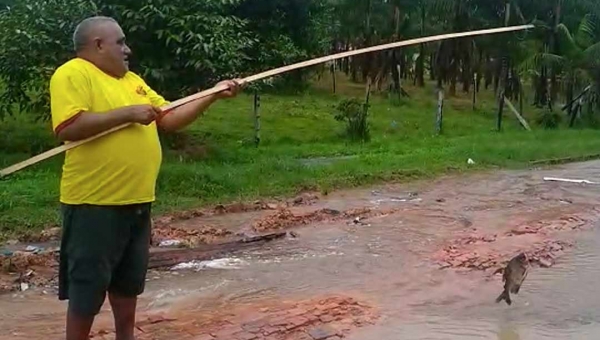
point(72, 116)
point(88, 124)
point(188, 113)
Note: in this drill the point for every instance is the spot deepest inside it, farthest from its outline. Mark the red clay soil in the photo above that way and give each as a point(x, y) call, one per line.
point(543, 254)
point(50, 234)
point(284, 218)
point(563, 223)
point(308, 198)
point(189, 237)
point(491, 252)
point(328, 318)
point(237, 207)
point(28, 268)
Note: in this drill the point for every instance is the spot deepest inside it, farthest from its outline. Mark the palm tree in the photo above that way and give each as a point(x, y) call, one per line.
point(576, 60)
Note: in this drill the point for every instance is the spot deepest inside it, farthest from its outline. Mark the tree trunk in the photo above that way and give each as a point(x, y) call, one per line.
point(489, 74)
point(403, 68)
point(554, 50)
point(480, 70)
point(503, 74)
point(346, 61)
point(453, 82)
point(497, 75)
point(366, 58)
point(467, 77)
point(455, 50)
point(432, 67)
point(420, 69)
point(395, 72)
point(570, 92)
point(440, 112)
point(541, 91)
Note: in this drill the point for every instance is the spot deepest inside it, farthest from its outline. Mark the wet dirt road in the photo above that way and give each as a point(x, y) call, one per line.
point(418, 263)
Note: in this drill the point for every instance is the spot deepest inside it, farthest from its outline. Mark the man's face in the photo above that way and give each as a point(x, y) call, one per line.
point(113, 50)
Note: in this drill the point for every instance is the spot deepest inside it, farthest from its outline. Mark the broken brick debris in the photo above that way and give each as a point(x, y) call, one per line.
point(285, 218)
point(189, 237)
point(286, 321)
point(25, 269)
point(463, 253)
point(564, 223)
point(454, 256)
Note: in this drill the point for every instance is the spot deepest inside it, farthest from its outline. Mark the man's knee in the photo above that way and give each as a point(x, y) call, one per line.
point(86, 300)
point(123, 303)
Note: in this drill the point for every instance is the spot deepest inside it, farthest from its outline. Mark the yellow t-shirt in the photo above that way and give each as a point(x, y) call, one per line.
point(116, 169)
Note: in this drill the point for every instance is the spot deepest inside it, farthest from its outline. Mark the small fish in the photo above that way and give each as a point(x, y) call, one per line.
point(514, 274)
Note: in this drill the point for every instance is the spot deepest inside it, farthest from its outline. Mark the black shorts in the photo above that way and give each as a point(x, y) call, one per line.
point(103, 249)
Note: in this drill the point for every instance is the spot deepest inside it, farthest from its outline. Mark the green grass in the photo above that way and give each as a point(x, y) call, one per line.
point(220, 162)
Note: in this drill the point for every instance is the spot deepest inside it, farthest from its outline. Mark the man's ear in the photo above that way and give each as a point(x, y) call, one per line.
point(97, 43)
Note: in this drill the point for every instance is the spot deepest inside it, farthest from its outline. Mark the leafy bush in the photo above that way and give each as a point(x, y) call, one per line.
point(36, 38)
point(21, 133)
point(355, 114)
point(182, 46)
point(179, 46)
point(549, 119)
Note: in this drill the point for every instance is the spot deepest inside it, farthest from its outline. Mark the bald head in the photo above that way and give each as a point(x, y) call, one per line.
point(101, 40)
point(87, 28)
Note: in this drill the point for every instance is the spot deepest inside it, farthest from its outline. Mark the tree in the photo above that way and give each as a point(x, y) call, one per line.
point(36, 38)
point(179, 46)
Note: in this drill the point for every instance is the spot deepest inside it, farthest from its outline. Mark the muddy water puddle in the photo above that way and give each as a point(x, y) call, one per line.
point(554, 303)
point(389, 261)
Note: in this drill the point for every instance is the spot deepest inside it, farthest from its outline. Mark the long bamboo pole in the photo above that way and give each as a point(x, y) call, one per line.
point(263, 75)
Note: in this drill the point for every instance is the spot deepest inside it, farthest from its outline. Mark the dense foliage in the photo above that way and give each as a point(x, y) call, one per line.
point(181, 46)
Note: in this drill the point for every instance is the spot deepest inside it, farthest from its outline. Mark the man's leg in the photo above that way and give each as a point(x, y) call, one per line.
point(129, 277)
point(92, 244)
point(124, 313)
point(78, 327)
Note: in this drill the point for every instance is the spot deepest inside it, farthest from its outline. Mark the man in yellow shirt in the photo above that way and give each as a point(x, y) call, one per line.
point(108, 185)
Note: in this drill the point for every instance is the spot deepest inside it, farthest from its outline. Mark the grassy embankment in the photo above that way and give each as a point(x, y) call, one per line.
point(221, 164)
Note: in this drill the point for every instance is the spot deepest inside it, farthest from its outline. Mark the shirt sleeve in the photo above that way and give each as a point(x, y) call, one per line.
point(70, 94)
point(155, 98)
